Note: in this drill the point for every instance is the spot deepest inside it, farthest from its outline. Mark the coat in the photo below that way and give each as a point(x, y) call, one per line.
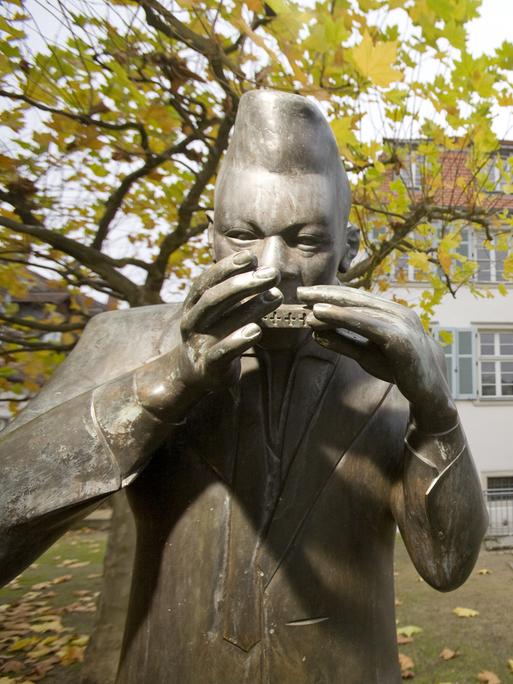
point(264, 542)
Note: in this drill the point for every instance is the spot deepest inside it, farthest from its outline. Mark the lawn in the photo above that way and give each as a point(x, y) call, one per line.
point(47, 614)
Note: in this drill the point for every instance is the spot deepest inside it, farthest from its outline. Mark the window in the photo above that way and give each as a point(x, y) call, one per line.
point(500, 488)
point(490, 264)
point(496, 364)
point(412, 172)
point(497, 173)
point(459, 358)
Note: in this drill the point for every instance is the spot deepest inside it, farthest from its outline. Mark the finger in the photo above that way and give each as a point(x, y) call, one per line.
point(226, 268)
point(252, 310)
point(219, 299)
point(377, 326)
point(226, 350)
point(364, 352)
point(349, 296)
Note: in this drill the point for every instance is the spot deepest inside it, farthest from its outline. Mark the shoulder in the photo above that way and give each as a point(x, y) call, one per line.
point(113, 343)
point(137, 332)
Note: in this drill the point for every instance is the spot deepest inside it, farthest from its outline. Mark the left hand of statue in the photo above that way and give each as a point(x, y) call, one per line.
point(391, 345)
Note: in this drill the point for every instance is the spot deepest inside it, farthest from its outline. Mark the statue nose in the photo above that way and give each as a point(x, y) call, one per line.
point(275, 253)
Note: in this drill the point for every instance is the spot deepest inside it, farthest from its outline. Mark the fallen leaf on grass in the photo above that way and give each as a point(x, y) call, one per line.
point(52, 626)
point(20, 644)
point(409, 630)
point(510, 664)
point(406, 664)
point(465, 612)
point(488, 677)
point(448, 654)
point(484, 571)
point(71, 654)
point(61, 579)
point(402, 640)
point(12, 666)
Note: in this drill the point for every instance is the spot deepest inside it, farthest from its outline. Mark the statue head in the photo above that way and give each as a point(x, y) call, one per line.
point(282, 192)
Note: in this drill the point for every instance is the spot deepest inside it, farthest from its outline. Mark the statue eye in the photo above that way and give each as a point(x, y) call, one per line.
point(308, 241)
point(240, 234)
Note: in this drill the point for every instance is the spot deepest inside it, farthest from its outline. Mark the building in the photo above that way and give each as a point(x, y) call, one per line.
point(477, 333)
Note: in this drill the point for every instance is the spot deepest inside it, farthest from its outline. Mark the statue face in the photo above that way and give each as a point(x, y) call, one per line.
point(289, 221)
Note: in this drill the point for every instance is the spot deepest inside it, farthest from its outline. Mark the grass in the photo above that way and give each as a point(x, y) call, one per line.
point(484, 642)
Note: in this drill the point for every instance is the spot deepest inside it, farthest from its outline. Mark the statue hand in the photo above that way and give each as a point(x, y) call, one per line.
point(219, 320)
point(391, 344)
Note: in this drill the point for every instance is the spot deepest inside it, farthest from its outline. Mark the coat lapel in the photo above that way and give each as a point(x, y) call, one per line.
point(346, 400)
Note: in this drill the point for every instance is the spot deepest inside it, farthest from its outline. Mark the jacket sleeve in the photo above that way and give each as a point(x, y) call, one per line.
point(63, 460)
point(439, 506)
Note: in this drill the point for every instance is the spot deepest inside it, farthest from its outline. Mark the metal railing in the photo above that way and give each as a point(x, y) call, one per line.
point(499, 503)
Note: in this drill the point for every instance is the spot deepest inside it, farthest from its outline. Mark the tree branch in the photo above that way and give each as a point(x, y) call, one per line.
point(85, 119)
point(157, 272)
point(96, 261)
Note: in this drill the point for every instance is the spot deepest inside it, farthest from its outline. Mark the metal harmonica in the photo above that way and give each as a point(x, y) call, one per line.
point(286, 316)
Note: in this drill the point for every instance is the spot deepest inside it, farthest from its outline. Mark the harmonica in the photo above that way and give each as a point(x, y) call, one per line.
point(286, 316)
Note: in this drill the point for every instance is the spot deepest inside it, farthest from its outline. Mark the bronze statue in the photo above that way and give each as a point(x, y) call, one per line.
point(267, 462)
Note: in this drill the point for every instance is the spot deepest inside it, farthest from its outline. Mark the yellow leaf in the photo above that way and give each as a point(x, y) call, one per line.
point(484, 571)
point(488, 677)
point(409, 630)
point(22, 643)
point(420, 261)
point(374, 61)
point(406, 664)
point(465, 612)
point(448, 654)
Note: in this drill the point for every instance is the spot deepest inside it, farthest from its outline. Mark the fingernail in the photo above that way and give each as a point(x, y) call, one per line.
point(251, 330)
point(322, 306)
point(265, 272)
point(271, 295)
point(243, 258)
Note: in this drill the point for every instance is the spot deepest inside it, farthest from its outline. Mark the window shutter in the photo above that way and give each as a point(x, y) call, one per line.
point(465, 364)
point(460, 361)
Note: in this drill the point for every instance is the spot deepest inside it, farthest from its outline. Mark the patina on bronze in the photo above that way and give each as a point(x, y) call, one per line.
point(267, 467)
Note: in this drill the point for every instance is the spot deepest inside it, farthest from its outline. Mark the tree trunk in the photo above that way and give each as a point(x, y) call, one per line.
point(102, 654)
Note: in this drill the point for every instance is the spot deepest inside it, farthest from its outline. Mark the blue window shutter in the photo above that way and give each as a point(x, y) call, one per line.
point(465, 350)
point(460, 361)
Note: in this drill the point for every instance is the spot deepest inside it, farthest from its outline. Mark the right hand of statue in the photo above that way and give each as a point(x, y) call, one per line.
point(219, 320)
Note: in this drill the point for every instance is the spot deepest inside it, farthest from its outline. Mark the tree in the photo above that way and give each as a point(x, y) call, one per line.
point(117, 124)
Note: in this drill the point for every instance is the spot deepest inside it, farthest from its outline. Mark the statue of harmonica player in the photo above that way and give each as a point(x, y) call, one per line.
point(267, 467)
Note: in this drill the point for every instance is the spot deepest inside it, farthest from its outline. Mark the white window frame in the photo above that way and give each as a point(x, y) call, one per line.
point(497, 359)
point(493, 173)
point(411, 173)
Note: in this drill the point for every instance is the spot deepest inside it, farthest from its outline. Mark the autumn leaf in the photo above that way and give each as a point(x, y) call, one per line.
point(484, 571)
point(448, 654)
point(375, 60)
point(465, 612)
point(488, 677)
point(406, 664)
point(409, 630)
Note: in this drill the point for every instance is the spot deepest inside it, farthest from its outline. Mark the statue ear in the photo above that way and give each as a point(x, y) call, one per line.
point(351, 247)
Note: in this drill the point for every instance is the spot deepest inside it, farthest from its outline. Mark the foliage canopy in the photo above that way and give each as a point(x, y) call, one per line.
point(114, 127)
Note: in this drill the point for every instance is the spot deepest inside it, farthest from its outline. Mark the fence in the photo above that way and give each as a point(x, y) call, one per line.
point(499, 503)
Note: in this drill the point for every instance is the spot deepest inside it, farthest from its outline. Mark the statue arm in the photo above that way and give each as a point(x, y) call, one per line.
point(439, 506)
point(65, 461)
